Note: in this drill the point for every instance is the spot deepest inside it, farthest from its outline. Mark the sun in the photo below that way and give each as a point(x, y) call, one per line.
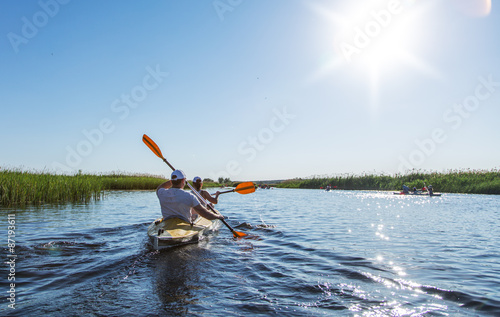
point(376, 39)
point(474, 8)
point(372, 35)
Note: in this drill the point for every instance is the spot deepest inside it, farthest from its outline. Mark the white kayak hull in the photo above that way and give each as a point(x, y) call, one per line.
point(174, 231)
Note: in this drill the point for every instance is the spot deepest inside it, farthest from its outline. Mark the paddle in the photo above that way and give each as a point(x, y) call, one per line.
point(243, 188)
point(156, 150)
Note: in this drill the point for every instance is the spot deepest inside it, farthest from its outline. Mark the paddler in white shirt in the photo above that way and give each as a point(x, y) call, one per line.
point(177, 203)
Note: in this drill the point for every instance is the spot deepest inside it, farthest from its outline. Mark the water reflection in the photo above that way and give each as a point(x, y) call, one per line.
point(178, 277)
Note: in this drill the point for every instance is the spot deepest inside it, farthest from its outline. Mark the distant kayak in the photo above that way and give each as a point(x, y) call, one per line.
point(174, 231)
point(417, 194)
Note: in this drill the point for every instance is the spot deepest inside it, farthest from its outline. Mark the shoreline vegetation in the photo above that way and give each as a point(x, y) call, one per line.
point(21, 188)
point(453, 181)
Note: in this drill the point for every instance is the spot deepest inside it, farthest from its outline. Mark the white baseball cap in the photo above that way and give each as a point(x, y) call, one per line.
point(197, 179)
point(177, 174)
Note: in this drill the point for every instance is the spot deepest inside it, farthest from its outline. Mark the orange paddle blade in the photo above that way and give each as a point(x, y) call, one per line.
point(245, 188)
point(238, 234)
point(152, 145)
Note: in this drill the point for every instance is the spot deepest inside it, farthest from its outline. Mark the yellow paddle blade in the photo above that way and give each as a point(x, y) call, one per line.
point(245, 188)
point(152, 145)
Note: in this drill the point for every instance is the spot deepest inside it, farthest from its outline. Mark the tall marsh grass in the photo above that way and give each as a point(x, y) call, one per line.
point(130, 182)
point(453, 181)
point(21, 188)
point(34, 188)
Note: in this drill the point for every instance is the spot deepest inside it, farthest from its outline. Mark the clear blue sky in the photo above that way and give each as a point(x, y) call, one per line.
point(250, 89)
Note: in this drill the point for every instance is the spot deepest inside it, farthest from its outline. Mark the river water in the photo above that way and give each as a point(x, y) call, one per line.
point(310, 253)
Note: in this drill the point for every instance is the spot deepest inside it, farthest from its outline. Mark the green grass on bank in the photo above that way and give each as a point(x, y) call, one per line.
point(454, 181)
point(130, 182)
point(21, 188)
point(139, 182)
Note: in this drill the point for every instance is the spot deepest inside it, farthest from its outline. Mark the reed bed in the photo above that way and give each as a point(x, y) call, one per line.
point(140, 182)
point(23, 188)
point(131, 181)
point(452, 181)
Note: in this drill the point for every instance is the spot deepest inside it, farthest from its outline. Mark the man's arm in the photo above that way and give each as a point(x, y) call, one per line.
point(165, 185)
point(206, 213)
point(207, 196)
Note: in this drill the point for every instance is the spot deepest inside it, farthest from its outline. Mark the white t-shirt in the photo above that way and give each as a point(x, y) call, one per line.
point(176, 202)
point(202, 202)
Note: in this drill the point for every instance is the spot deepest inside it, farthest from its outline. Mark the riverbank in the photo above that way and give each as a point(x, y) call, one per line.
point(21, 188)
point(455, 181)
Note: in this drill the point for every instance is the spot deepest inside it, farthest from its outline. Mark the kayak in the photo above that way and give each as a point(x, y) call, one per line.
point(175, 231)
point(417, 194)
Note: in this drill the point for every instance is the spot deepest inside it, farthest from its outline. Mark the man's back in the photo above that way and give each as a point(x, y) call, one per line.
point(176, 202)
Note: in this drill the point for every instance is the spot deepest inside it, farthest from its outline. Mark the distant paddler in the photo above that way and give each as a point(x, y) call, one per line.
point(406, 189)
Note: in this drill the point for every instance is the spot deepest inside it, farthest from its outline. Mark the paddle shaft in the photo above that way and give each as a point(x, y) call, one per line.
point(236, 189)
point(202, 199)
point(227, 191)
point(209, 206)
